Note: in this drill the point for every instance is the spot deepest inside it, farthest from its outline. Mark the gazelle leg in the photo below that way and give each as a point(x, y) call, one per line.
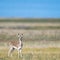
point(20, 53)
point(10, 51)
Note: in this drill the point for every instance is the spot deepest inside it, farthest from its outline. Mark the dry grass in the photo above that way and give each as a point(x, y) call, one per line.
point(36, 26)
point(33, 54)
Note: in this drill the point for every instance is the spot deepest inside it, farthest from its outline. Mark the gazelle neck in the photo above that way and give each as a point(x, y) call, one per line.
point(19, 40)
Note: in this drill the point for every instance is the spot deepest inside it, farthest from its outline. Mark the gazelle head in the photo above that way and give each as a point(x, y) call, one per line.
point(20, 36)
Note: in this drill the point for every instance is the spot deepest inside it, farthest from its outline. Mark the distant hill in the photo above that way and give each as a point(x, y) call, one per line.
point(29, 20)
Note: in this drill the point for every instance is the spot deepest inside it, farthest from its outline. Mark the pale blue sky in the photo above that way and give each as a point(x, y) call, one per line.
point(30, 8)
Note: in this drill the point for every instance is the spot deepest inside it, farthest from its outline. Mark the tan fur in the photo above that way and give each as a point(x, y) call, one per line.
point(14, 43)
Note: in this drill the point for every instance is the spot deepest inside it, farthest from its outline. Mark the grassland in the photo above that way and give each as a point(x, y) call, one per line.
point(41, 38)
point(33, 54)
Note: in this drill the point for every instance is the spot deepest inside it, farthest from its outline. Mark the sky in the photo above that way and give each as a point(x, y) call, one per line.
point(30, 8)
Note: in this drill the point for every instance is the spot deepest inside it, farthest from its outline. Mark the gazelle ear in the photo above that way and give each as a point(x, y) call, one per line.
point(21, 35)
point(18, 35)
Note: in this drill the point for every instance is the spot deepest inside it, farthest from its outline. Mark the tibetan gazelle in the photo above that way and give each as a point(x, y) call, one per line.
point(16, 45)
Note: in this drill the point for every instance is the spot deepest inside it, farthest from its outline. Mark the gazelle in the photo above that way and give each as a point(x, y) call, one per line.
point(16, 45)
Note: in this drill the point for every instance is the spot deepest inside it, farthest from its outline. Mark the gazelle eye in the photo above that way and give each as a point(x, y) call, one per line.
point(18, 33)
point(21, 34)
